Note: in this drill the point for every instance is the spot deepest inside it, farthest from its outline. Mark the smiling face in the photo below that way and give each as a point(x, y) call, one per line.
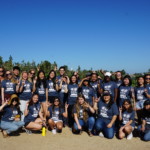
point(35, 99)
point(73, 79)
point(52, 75)
point(41, 75)
point(56, 102)
point(147, 79)
point(62, 71)
point(24, 76)
point(126, 81)
point(106, 98)
point(126, 105)
point(16, 72)
point(107, 78)
point(93, 77)
point(118, 76)
point(141, 81)
point(1, 72)
point(81, 100)
point(8, 75)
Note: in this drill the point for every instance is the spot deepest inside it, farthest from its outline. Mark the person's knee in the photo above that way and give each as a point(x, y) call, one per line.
point(127, 129)
point(110, 136)
point(146, 137)
point(121, 136)
point(13, 128)
point(38, 127)
point(92, 120)
point(59, 127)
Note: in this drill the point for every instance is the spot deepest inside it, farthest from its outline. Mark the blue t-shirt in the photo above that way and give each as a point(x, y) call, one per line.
point(88, 93)
point(124, 93)
point(95, 86)
point(41, 92)
point(109, 86)
point(26, 94)
point(9, 113)
point(148, 89)
point(72, 93)
point(81, 112)
point(107, 113)
point(33, 112)
point(126, 117)
point(139, 93)
point(9, 87)
point(118, 82)
point(51, 90)
point(56, 114)
point(59, 78)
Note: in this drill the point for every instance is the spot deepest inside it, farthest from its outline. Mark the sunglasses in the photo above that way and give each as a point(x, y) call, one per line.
point(33, 73)
point(147, 78)
point(56, 101)
point(1, 71)
point(8, 74)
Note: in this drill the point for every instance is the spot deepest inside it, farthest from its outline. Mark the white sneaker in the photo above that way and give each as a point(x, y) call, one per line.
point(101, 134)
point(54, 131)
point(130, 136)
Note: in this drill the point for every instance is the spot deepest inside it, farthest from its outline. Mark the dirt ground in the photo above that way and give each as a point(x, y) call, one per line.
point(68, 141)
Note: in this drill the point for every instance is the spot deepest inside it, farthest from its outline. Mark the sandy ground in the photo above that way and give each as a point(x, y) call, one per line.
point(68, 141)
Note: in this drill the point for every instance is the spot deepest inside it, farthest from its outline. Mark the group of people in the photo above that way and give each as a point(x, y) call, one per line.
point(102, 106)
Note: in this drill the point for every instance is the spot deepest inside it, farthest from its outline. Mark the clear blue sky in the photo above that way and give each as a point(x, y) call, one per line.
point(107, 34)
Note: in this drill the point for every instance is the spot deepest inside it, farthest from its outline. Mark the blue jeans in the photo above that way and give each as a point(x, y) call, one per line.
point(11, 126)
point(88, 124)
point(101, 125)
point(144, 135)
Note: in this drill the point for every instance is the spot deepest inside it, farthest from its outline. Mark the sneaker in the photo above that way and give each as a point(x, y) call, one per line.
point(27, 131)
point(101, 134)
point(90, 133)
point(130, 136)
point(54, 131)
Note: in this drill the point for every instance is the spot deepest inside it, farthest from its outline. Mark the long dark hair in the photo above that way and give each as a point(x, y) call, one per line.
point(17, 105)
point(130, 108)
point(53, 79)
point(31, 101)
point(60, 105)
point(71, 79)
point(39, 81)
point(138, 79)
point(129, 78)
point(111, 102)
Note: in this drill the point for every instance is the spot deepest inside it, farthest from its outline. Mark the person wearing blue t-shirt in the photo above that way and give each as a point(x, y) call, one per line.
point(10, 120)
point(33, 114)
point(81, 116)
point(72, 97)
point(96, 82)
point(109, 85)
point(55, 115)
point(25, 92)
point(9, 87)
point(2, 77)
point(107, 115)
point(63, 90)
point(147, 84)
point(52, 86)
point(86, 89)
point(140, 96)
point(126, 91)
point(144, 128)
point(126, 116)
point(40, 87)
point(118, 78)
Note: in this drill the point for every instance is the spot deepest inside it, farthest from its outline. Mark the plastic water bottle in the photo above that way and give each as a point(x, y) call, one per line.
point(43, 131)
